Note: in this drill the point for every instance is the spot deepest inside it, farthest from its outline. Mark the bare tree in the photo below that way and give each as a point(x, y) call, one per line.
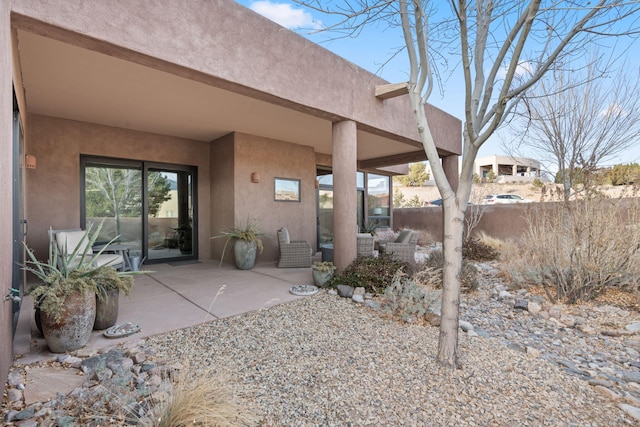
point(504, 49)
point(577, 119)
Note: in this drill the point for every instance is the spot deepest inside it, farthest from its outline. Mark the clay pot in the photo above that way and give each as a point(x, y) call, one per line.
point(107, 310)
point(321, 277)
point(73, 330)
point(245, 254)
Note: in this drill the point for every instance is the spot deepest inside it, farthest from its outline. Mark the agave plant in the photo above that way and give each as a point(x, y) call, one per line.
point(247, 232)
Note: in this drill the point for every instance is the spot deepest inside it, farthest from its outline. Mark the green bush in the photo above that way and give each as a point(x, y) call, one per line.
point(373, 274)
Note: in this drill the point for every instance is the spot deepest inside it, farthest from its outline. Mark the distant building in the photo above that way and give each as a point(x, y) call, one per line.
point(508, 168)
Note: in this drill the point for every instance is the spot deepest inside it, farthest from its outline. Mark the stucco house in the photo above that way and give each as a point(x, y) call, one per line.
point(207, 94)
point(507, 168)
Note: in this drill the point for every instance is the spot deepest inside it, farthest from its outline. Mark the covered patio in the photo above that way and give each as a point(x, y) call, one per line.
point(178, 296)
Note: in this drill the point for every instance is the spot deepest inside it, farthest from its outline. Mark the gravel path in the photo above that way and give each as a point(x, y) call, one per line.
point(327, 361)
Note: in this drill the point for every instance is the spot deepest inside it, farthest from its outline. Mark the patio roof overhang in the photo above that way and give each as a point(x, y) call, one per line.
point(74, 76)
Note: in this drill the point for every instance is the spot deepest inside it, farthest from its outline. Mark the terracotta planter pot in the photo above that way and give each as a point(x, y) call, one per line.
point(107, 310)
point(74, 329)
point(245, 254)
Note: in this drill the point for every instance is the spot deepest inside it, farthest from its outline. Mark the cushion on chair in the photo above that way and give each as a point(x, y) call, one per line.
point(69, 240)
point(283, 236)
point(404, 236)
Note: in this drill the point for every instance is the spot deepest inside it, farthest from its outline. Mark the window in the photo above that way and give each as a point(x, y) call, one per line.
point(148, 207)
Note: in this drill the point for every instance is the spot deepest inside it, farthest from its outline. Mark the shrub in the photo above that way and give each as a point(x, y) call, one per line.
point(578, 250)
point(406, 300)
point(373, 274)
point(476, 250)
point(430, 273)
point(200, 400)
point(537, 183)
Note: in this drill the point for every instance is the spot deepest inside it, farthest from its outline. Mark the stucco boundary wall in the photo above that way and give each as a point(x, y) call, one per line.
point(504, 222)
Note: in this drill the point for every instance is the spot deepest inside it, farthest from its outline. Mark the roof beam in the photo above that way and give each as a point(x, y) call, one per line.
point(391, 90)
point(398, 159)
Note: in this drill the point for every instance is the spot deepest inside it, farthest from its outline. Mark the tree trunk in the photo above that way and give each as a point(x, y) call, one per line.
point(452, 246)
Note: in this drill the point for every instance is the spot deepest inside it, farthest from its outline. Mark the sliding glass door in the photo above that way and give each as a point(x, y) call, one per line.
point(147, 207)
point(170, 218)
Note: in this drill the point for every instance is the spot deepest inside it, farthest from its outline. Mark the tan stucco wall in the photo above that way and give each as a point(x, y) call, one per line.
point(239, 199)
point(502, 222)
point(6, 196)
point(54, 187)
point(225, 44)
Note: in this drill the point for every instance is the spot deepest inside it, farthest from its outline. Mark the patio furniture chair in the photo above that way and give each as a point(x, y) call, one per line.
point(402, 248)
point(64, 243)
point(293, 253)
point(366, 245)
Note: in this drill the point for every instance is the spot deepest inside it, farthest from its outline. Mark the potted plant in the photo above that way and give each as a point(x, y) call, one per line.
point(66, 295)
point(322, 272)
point(109, 283)
point(246, 244)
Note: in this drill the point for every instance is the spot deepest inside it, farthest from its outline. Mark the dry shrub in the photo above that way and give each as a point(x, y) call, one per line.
point(429, 273)
point(493, 242)
point(425, 238)
point(409, 301)
point(199, 399)
point(476, 250)
point(578, 250)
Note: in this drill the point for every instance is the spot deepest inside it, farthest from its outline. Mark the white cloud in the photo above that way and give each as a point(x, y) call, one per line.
point(285, 15)
point(614, 110)
point(523, 69)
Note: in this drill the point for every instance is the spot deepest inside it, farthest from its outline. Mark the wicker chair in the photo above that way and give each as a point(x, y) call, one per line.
point(403, 248)
point(365, 245)
point(293, 253)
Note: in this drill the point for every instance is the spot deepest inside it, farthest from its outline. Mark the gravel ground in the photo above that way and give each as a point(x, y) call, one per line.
point(326, 361)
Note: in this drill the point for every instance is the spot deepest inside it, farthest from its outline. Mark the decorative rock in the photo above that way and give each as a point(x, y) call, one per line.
point(606, 392)
point(632, 411)
point(139, 357)
point(502, 295)
point(554, 312)
point(374, 305)
point(631, 376)
point(534, 307)
point(532, 352)
point(358, 295)
point(568, 321)
point(14, 378)
point(14, 395)
point(345, 291)
point(465, 326)
point(521, 304)
point(633, 327)
point(27, 423)
point(587, 330)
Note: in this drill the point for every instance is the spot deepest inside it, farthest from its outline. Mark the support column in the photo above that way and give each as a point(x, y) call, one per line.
point(344, 193)
point(450, 166)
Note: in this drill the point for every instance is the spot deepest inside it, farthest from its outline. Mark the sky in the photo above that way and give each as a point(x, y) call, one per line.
point(372, 50)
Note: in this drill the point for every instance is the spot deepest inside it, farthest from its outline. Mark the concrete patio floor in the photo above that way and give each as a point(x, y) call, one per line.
point(178, 296)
